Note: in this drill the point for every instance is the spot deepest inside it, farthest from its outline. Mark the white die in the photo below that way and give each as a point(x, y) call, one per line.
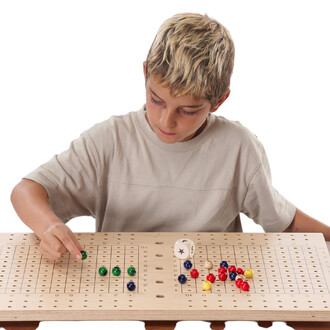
point(184, 248)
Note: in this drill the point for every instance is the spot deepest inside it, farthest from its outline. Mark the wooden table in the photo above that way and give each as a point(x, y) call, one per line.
point(291, 280)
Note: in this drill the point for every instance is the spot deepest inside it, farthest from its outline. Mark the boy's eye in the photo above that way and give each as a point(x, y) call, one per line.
point(189, 113)
point(155, 101)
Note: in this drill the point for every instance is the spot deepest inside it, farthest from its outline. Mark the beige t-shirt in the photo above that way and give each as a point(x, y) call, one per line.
point(120, 173)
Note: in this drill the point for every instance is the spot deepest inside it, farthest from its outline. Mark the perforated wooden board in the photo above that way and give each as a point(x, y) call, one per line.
point(291, 281)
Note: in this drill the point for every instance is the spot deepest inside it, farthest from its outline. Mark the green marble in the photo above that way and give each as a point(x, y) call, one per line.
point(131, 271)
point(116, 271)
point(103, 271)
point(84, 254)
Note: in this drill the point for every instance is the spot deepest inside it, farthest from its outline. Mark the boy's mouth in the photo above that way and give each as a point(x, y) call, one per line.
point(168, 134)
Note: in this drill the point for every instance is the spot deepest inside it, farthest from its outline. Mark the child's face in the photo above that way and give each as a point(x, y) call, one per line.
point(174, 119)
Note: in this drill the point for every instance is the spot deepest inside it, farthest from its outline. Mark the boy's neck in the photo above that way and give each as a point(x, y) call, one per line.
point(201, 129)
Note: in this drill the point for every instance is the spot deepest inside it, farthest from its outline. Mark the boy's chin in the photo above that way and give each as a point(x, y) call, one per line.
point(168, 140)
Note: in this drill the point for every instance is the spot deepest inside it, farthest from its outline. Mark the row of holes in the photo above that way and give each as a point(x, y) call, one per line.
point(105, 238)
point(190, 306)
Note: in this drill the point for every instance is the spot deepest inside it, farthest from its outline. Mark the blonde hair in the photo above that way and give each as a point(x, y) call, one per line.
point(194, 55)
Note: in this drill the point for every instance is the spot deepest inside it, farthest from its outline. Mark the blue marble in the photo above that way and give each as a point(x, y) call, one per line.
point(232, 275)
point(187, 264)
point(182, 278)
point(131, 286)
point(224, 263)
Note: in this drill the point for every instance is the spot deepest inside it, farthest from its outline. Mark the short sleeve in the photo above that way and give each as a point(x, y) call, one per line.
point(263, 203)
point(71, 179)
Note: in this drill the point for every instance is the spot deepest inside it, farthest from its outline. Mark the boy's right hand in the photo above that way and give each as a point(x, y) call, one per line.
point(58, 239)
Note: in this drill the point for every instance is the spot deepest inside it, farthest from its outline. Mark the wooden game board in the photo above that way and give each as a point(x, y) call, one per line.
point(291, 281)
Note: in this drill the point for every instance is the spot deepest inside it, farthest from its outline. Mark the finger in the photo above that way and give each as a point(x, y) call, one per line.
point(52, 248)
point(51, 255)
point(75, 241)
point(68, 242)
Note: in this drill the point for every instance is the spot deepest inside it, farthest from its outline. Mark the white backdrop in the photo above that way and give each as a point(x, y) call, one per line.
point(65, 65)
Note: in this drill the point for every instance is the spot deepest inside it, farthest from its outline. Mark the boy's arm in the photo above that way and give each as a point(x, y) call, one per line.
point(30, 201)
point(306, 224)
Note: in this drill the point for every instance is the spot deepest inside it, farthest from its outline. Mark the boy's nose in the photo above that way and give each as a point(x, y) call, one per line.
point(168, 119)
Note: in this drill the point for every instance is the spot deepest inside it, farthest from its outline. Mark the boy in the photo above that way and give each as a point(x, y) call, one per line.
point(171, 166)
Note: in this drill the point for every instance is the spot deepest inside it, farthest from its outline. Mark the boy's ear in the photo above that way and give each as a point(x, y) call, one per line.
point(144, 69)
point(223, 99)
